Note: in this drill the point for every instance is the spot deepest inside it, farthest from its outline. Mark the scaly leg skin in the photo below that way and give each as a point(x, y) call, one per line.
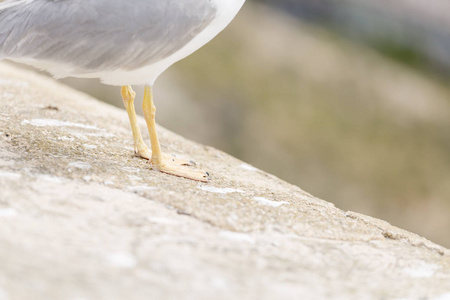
point(140, 148)
point(158, 161)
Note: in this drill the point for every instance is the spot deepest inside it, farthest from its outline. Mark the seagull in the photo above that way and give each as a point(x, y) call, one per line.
point(121, 42)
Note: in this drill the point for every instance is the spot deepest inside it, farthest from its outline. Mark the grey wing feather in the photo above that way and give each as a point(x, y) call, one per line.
point(101, 35)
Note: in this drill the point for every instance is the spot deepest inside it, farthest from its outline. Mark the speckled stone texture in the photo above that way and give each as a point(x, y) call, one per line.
point(82, 219)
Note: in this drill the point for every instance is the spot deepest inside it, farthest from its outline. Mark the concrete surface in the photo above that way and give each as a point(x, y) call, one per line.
point(82, 219)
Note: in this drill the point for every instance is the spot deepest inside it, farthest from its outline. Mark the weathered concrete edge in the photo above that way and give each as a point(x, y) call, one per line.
point(386, 229)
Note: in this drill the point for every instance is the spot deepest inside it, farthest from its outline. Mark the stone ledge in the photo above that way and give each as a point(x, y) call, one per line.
point(82, 218)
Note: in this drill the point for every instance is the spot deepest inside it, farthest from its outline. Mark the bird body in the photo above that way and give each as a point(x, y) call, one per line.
point(121, 42)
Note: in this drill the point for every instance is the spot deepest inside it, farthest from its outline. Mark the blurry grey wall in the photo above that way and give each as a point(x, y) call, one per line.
point(413, 31)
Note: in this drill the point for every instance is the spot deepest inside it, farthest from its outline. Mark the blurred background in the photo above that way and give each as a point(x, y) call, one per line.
point(347, 99)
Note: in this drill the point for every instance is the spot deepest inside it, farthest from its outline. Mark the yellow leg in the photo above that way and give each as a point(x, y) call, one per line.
point(140, 148)
point(158, 160)
point(149, 113)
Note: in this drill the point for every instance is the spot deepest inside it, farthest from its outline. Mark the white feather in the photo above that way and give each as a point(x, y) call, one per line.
point(10, 3)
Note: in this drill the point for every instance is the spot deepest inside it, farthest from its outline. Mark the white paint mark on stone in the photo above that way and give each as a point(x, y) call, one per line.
point(7, 213)
point(108, 182)
point(122, 260)
point(66, 138)
point(88, 146)
point(421, 270)
point(87, 178)
point(236, 236)
point(56, 123)
point(4, 117)
point(219, 283)
point(3, 294)
point(85, 135)
point(5, 82)
point(267, 202)
point(79, 135)
point(8, 95)
point(6, 163)
point(102, 134)
point(131, 169)
point(248, 167)
point(163, 221)
point(141, 189)
point(134, 178)
point(50, 178)
point(80, 165)
point(17, 83)
point(445, 296)
point(10, 175)
point(219, 190)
